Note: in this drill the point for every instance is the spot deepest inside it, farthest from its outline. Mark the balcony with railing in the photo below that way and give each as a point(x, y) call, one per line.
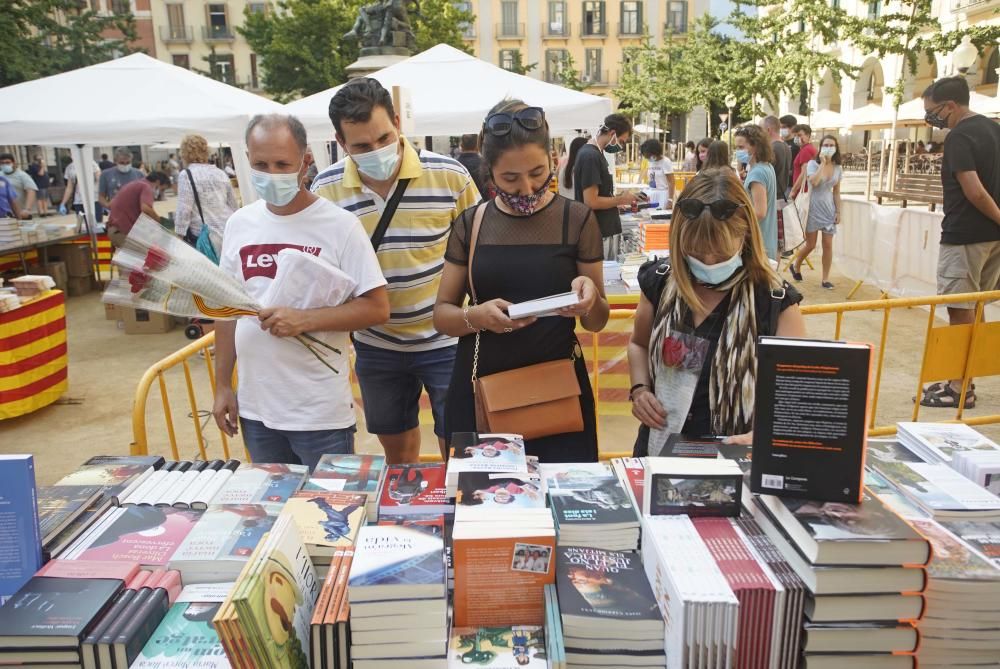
point(176, 34)
point(973, 5)
point(593, 30)
point(631, 29)
point(675, 28)
point(510, 31)
point(596, 79)
point(556, 30)
point(217, 34)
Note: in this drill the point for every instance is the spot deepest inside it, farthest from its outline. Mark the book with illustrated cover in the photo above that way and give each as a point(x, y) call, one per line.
point(810, 419)
point(953, 559)
point(939, 442)
point(117, 478)
point(397, 562)
point(502, 647)
point(492, 453)
point(58, 506)
point(20, 536)
point(327, 521)
point(186, 638)
point(982, 537)
point(588, 493)
point(484, 491)
point(262, 484)
point(221, 541)
point(148, 535)
point(55, 612)
point(418, 488)
point(631, 472)
point(349, 472)
point(692, 486)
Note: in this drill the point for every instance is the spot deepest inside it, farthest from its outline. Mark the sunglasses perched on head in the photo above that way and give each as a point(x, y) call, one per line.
point(721, 209)
point(500, 124)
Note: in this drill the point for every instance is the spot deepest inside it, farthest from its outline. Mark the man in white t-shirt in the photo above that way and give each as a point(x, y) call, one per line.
point(291, 407)
point(661, 169)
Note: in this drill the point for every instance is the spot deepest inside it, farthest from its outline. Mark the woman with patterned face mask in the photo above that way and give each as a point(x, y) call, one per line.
point(720, 290)
point(824, 174)
point(531, 243)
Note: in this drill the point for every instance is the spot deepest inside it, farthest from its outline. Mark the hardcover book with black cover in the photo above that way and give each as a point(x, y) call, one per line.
point(811, 412)
point(55, 612)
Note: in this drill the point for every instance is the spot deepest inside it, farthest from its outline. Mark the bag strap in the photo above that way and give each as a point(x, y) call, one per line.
point(388, 213)
point(774, 310)
point(197, 200)
point(477, 222)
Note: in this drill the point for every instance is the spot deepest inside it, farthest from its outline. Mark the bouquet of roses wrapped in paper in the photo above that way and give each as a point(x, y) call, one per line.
point(162, 273)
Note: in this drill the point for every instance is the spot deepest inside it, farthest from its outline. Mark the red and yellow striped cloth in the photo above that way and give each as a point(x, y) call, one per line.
point(33, 359)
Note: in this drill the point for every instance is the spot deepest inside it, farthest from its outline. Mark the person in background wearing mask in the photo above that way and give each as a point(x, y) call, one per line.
point(824, 175)
point(113, 178)
point(531, 243)
point(593, 183)
point(807, 152)
point(753, 148)
point(72, 190)
point(969, 256)
point(292, 409)
point(472, 161)
point(661, 170)
point(398, 359)
point(782, 156)
point(134, 198)
point(718, 278)
point(8, 202)
point(24, 185)
point(39, 173)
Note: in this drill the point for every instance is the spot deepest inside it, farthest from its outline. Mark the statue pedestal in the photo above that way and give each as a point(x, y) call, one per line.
point(366, 65)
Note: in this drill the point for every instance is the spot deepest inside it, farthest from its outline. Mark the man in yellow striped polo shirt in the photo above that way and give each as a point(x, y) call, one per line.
point(397, 360)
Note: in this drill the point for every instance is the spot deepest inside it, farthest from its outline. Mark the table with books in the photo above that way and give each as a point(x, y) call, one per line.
point(33, 358)
point(496, 560)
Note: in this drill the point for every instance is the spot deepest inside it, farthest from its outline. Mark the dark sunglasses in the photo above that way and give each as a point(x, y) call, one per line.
point(721, 209)
point(500, 124)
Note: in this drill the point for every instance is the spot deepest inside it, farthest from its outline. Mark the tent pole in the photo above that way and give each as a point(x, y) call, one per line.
point(321, 154)
point(83, 157)
point(241, 163)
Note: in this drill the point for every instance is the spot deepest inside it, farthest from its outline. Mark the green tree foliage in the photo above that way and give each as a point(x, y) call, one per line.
point(656, 80)
point(301, 45)
point(568, 75)
point(518, 66)
point(46, 37)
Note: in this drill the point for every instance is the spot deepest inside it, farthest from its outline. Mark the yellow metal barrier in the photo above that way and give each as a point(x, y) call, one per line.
point(950, 352)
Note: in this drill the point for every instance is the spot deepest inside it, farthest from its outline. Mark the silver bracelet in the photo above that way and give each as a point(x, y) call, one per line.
point(468, 324)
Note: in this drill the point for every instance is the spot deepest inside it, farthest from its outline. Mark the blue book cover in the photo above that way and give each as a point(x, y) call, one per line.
point(397, 555)
point(19, 533)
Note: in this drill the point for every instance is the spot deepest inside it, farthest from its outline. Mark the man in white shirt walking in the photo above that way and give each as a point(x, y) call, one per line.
point(291, 407)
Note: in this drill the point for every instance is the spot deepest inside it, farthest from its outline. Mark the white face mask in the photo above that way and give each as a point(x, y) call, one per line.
point(827, 151)
point(783, 132)
point(277, 189)
point(380, 163)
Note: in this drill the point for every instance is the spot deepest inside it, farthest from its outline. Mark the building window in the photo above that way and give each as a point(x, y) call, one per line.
point(508, 59)
point(835, 4)
point(95, 5)
point(554, 60)
point(257, 7)
point(182, 60)
point(175, 22)
point(592, 66)
point(254, 77)
point(872, 93)
point(224, 68)
point(631, 17)
point(874, 9)
point(218, 21)
point(468, 29)
point(121, 7)
point(593, 18)
point(677, 16)
point(557, 18)
point(508, 17)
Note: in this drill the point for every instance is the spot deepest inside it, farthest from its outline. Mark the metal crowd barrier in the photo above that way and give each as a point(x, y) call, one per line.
point(950, 352)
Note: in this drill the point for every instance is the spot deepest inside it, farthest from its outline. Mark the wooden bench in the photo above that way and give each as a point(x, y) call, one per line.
point(924, 188)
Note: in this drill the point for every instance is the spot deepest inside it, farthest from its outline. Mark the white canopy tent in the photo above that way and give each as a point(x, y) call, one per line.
point(147, 102)
point(451, 91)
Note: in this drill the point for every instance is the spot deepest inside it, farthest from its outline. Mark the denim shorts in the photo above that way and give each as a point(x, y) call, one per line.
point(294, 447)
point(391, 382)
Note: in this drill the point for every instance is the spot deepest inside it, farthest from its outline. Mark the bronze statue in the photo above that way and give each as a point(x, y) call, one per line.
point(384, 26)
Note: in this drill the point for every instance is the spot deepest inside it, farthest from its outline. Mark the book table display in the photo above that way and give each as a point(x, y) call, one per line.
point(495, 560)
point(33, 360)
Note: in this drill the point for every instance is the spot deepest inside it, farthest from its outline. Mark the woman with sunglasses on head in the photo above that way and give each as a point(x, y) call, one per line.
point(719, 287)
point(531, 243)
point(753, 148)
point(824, 174)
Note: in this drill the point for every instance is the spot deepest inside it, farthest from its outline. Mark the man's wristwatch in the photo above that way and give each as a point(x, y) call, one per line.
point(631, 391)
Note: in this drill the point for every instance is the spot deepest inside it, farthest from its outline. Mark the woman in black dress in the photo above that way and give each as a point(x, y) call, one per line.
point(532, 243)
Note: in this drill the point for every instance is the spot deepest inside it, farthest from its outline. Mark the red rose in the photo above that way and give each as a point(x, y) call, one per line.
point(137, 281)
point(674, 351)
point(156, 259)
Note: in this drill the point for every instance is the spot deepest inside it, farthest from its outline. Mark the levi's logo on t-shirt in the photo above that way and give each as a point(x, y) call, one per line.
point(262, 259)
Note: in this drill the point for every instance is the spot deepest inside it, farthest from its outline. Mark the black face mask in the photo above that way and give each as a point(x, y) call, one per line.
point(932, 119)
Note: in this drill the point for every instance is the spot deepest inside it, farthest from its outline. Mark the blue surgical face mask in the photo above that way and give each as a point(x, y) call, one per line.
point(714, 275)
point(742, 156)
point(277, 189)
point(380, 163)
point(7, 169)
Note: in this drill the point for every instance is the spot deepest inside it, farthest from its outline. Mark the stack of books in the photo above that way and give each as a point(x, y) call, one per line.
point(21, 546)
point(221, 541)
point(591, 507)
point(693, 595)
point(60, 506)
point(186, 638)
point(329, 638)
point(692, 486)
point(963, 448)
point(398, 596)
point(863, 566)
point(265, 621)
point(495, 497)
point(555, 645)
point(414, 489)
point(328, 523)
point(939, 490)
point(654, 236)
point(10, 232)
point(608, 612)
point(357, 473)
point(498, 647)
point(119, 476)
point(148, 535)
point(260, 484)
point(631, 472)
point(630, 269)
point(489, 453)
point(182, 483)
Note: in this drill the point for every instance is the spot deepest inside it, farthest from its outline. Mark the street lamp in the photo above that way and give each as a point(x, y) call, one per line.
point(730, 103)
point(964, 56)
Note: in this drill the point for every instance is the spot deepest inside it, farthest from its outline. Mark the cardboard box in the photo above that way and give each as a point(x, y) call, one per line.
point(57, 270)
point(79, 285)
point(112, 312)
point(140, 321)
point(76, 256)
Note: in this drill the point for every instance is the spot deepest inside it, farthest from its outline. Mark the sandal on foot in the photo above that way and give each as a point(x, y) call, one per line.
point(946, 397)
point(796, 274)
